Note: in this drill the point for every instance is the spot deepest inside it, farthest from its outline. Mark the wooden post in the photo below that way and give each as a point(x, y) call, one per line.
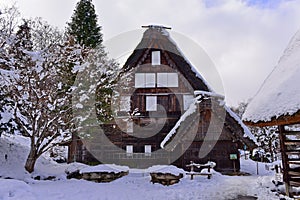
point(284, 159)
point(234, 170)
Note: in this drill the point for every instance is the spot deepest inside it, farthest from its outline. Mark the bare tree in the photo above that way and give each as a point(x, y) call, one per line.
point(35, 87)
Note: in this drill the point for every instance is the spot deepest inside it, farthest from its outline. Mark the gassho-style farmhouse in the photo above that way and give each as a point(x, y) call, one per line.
point(166, 113)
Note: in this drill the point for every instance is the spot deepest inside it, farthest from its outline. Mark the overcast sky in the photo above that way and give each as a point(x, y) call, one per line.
point(244, 38)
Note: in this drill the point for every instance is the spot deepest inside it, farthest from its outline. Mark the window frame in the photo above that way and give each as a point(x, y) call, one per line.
point(144, 80)
point(155, 58)
point(129, 150)
point(167, 79)
point(151, 106)
point(125, 103)
point(187, 100)
point(146, 150)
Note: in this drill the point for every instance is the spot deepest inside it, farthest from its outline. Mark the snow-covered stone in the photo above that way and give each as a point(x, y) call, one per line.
point(105, 168)
point(166, 169)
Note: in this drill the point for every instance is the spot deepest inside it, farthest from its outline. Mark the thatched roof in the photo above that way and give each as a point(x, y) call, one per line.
point(156, 37)
point(278, 100)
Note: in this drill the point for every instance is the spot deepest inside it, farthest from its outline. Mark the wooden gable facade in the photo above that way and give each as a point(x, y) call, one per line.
point(156, 87)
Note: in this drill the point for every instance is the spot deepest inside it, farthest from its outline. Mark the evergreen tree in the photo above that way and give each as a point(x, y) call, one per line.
point(83, 26)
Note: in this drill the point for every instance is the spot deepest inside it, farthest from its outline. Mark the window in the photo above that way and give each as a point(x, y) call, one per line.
point(147, 150)
point(155, 58)
point(149, 80)
point(187, 100)
point(162, 79)
point(144, 80)
point(167, 80)
point(151, 103)
point(139, 80)
point(163, 103)
point(125, 103)
point(129, 150)
point(172, 80)
point(130, 127)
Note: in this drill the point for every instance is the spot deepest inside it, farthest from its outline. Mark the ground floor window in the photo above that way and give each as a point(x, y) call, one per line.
point(147, 150)
point(129, 150)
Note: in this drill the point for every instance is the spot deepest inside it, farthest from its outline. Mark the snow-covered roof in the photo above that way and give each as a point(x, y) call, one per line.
point(157, 37)
point(247, 132)
point(279, 95)
point(193, 107)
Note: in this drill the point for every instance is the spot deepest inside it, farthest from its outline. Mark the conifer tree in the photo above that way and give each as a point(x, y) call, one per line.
point(84, 26)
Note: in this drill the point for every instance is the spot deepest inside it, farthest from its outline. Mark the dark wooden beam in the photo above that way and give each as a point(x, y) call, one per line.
point(282, 120)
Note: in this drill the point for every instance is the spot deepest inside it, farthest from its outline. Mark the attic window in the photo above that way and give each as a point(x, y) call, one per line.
point(144, 80)
point(155, 58)
point(167, 80)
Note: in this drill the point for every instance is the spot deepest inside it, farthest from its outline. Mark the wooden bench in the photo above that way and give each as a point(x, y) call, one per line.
point(208, 166)
point(192, 174)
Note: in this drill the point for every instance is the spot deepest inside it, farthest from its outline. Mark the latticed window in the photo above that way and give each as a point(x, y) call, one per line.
point(144, 80)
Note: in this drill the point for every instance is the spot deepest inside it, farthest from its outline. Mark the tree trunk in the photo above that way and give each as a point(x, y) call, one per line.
point(31, 160)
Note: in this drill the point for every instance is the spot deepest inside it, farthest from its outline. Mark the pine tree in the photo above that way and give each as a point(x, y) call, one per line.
point(84, 26)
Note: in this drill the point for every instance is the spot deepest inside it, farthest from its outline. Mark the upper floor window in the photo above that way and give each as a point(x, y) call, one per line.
point(125, 103)
point(155, 58)
point(167, 80)
point(129, 127)
point(144, 80)
point(187, 101)
point(151, 103)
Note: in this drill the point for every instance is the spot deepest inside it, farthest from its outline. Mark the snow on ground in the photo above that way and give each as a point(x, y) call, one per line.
point(17, 148)
point(134, 186)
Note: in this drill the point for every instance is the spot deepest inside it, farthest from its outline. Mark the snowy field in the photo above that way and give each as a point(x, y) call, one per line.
point(134, 186)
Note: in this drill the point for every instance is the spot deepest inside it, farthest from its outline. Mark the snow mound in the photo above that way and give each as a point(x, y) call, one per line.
point(75, 166)
point(280, 92)
point(105, 168)
point(14, 189)
point(13, 154)
point(166, 169)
